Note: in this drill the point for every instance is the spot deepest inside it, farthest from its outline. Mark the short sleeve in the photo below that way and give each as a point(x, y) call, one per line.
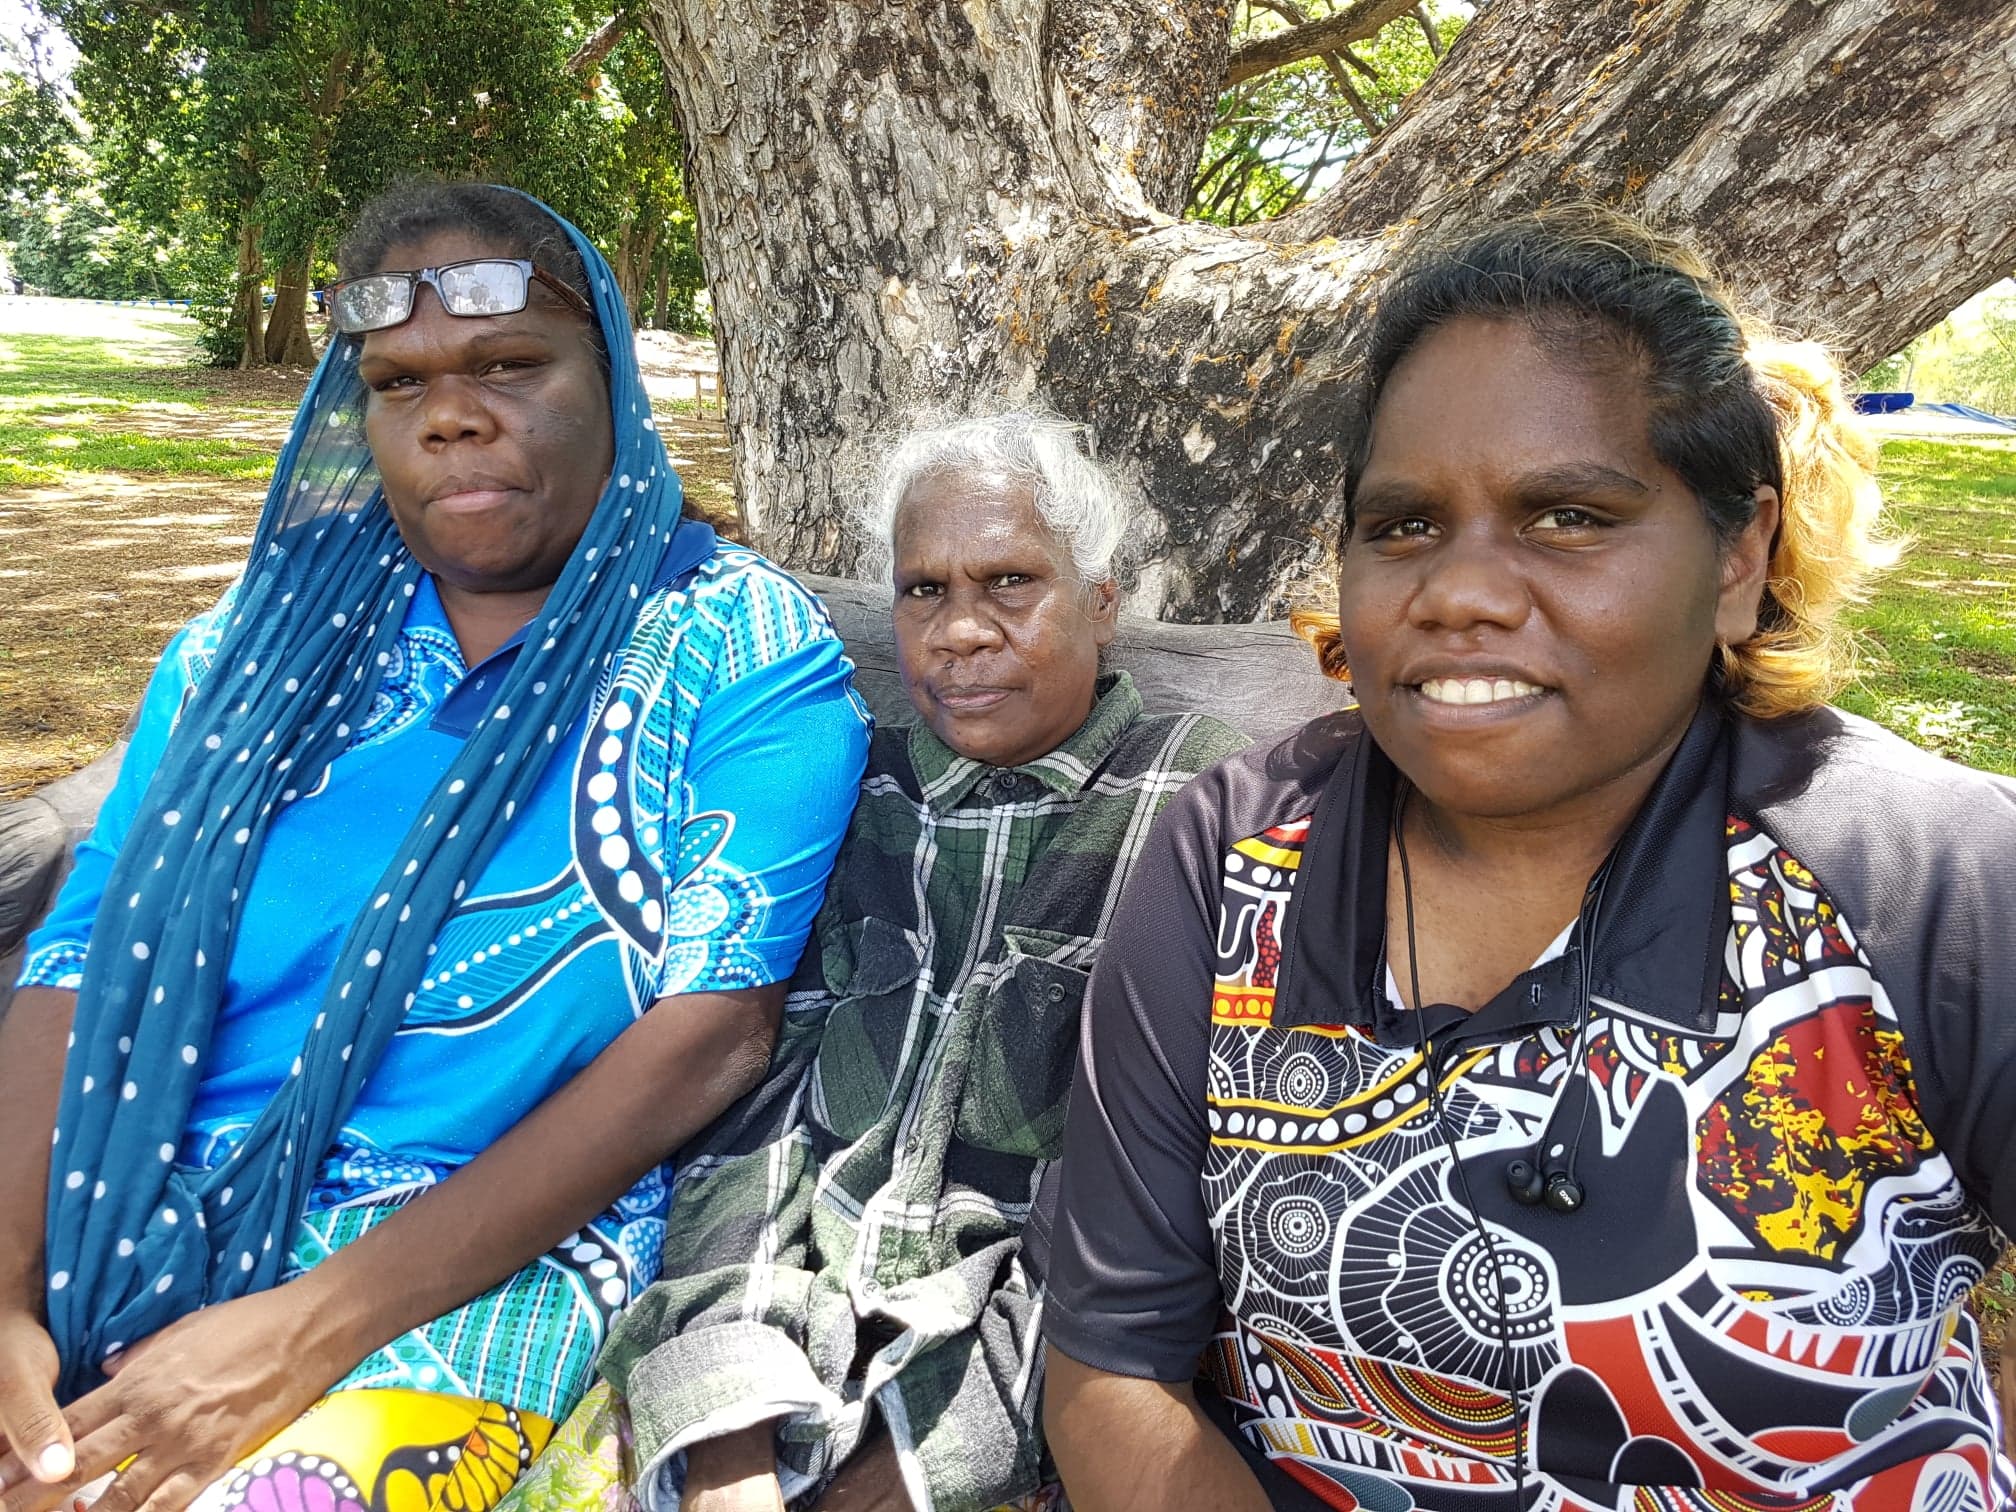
point(56, 948)
point(1132, 1273)
point(772, 771)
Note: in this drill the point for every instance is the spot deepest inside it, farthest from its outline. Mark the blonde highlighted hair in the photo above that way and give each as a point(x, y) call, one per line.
point(1831, 538)
point(1732, 406)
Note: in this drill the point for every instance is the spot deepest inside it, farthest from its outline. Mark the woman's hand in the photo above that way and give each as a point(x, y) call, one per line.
point(756, 1494)
point(34, 1439)
point(734, 1473)
point(185, 1405)
point(871, 1481)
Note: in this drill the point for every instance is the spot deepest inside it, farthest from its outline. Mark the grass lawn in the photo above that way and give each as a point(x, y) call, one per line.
point(68, 405)
point(1940, 642)
point(1940, 632)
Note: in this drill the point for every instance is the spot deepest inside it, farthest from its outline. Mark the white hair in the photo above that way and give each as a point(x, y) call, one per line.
point(1093, 511)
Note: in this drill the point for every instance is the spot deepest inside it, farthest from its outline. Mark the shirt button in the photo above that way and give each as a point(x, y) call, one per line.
point(1055, 992)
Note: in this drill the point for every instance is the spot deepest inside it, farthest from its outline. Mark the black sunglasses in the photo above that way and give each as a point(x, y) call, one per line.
point(480, 286)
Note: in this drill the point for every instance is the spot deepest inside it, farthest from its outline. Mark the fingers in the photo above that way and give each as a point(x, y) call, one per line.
point(139, 1484)
point(29, 1418)
point(104, 1439)
point(96, 1439)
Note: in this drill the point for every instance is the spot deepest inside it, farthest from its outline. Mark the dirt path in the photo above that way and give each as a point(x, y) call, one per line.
point(98, 569)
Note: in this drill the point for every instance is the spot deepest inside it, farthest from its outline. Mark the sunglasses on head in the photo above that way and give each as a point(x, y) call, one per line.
point(480, 286)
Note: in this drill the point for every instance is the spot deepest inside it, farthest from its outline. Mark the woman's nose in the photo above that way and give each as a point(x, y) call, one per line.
point(454, 411)
point(1467, 582)
point(966, 627)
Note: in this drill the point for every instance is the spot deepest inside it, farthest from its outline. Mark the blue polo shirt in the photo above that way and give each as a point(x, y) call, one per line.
point(678, 842)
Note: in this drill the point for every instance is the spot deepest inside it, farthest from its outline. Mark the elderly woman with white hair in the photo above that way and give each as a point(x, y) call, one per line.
point(844, 1319)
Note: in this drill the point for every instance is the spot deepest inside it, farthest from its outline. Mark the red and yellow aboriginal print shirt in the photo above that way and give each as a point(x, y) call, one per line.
point(1792, 1104)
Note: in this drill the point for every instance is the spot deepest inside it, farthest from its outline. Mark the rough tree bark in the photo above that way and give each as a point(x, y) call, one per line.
point(921, 202)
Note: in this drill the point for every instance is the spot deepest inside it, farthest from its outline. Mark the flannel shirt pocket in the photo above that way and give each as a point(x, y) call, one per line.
point(1018, 1078)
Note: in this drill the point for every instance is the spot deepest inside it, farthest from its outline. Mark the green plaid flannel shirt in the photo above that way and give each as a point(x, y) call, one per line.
point(846, 1242)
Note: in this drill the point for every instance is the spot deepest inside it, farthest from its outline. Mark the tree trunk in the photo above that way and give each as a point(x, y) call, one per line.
point(287, 341)
point(661, 304)
point(633, 265)
point(910, 203)
point(248, 311)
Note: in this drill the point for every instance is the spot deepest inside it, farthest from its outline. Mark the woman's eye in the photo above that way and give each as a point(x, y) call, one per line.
point(387, 385)
point(1567, 517)
point(1012, 579)
point(921, 591)
point(1406, 528)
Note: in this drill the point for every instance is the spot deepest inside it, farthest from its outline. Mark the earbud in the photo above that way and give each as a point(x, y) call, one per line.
point(1563, 1193)
point(1530, 1187)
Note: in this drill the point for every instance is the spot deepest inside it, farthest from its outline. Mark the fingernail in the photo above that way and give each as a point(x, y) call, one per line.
point(57, 1462)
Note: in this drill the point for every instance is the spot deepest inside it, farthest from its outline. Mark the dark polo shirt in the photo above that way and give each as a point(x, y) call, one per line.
point(1792, 1105)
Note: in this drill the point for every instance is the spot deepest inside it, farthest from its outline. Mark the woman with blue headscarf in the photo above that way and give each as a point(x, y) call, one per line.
point(449, 885)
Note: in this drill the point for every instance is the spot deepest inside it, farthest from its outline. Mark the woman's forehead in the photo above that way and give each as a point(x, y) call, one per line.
point(448, 244)
point(958, 507)
point(1477, 390)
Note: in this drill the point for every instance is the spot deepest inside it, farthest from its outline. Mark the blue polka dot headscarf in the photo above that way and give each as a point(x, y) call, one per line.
point(134, 1239)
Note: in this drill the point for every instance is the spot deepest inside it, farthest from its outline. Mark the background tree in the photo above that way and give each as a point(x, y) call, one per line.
point(243, 136)
point(905, 201)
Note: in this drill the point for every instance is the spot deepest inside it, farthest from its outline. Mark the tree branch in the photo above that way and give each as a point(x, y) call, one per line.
point(1358, 63)
point(1355, 100)
point(1355, 22)
point(1689, 111)
point(1222, 373)
point(1428, 30)
point(589, 55)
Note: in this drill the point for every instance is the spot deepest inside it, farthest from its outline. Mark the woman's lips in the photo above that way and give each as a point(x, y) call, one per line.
point(1460, 703)
point(471, 500)
point(969, 700)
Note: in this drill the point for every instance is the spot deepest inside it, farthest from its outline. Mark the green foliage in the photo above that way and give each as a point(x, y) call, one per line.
point(1285, 135)
point(1984, 375)
point(655, 249)
point(230, 143)
point(1887, 377)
